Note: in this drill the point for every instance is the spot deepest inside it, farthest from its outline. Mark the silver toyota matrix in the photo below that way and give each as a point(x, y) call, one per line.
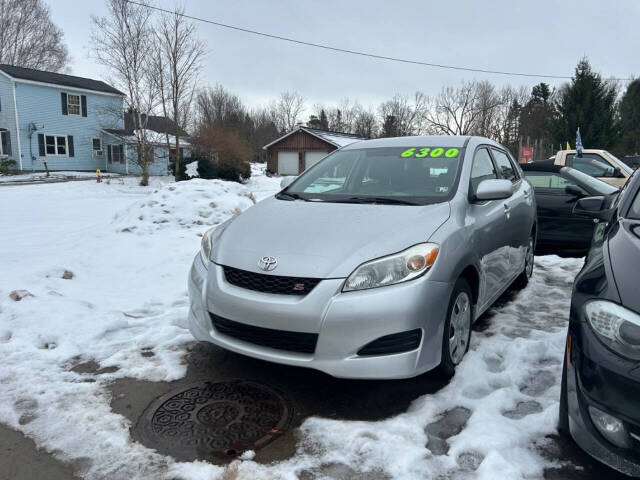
point(373, 263)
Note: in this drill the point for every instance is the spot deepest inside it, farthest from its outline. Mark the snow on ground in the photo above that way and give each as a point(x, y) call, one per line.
point(128, 295)
point(54, 175)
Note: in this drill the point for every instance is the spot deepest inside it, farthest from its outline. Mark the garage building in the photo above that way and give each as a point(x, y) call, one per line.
point(302, 148)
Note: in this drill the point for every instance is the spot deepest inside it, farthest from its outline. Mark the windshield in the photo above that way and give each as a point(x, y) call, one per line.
point(598, 186)
point(402, 175)
point(620, 163)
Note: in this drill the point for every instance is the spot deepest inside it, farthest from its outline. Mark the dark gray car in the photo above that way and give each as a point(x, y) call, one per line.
point(373, 263)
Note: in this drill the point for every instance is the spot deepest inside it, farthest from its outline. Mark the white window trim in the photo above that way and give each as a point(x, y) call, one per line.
point(79, 114)
point(94, 150)
point(66, 145)
point(3, 132)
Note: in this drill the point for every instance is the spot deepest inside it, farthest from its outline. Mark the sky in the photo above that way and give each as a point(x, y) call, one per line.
point(542, 37)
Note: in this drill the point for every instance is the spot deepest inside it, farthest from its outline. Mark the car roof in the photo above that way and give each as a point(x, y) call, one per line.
point(458, 141)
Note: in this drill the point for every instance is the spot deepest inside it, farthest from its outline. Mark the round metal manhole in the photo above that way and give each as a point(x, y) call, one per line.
point(208, 419)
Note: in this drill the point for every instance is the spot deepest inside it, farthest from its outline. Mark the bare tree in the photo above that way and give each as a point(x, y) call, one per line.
point(287, 111)
point(28, 37)
point(408, 113)
point(218, 106)
point(182, 53)
point(487, 103)
point(454, 111)
point(123, 43)
point(365, 124)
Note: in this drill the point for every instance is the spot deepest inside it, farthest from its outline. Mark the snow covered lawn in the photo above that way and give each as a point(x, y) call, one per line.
point(128, 250)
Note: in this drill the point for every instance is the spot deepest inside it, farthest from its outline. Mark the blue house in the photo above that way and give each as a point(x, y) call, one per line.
point(62, 122)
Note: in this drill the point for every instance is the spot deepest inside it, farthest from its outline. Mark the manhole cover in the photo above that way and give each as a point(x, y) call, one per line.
point(221, 419)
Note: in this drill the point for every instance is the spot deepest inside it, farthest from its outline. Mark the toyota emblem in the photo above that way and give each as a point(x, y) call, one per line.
point(268, 263)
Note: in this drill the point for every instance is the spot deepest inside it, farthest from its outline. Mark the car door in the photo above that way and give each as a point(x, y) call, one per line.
point(489, 225)
point(518, 211)
point(597, 166)
point(557, 225)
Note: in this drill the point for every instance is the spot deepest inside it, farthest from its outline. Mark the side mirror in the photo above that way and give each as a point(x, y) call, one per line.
point(286, 181)
point(494, 189)
point(574, 190)
point(618, 173)
point(593, 207)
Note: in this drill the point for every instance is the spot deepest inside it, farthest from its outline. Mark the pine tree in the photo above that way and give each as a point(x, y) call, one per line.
point(390, 126)
point(630, 120)
point(587, 102)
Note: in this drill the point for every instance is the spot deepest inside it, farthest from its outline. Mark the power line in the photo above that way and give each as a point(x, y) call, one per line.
point(357, 52)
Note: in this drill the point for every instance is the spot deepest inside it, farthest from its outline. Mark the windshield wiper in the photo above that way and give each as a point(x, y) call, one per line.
point(377, 200)
point(292, 196)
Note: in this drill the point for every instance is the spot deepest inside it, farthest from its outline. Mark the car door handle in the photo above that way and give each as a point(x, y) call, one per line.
point(526, 194)
point(507, 210)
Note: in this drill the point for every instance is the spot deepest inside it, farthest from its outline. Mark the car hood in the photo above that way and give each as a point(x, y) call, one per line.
point(322, 239)
point(624, 254)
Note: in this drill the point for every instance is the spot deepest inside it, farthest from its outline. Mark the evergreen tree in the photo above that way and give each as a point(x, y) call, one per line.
point(390, 126)
point(587, 102)
point(630, 120)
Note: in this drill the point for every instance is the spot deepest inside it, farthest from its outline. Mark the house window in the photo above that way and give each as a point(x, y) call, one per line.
point(116, 154)
point(55, 145)
point(4, 143)
point(73, 104)
point(96, 146)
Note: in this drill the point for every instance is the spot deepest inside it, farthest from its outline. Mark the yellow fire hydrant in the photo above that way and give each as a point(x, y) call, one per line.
point(98, 176)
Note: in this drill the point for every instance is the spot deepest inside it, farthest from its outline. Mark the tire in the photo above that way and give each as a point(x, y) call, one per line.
point(462, 319)
point(523, 279)
point(563, 409)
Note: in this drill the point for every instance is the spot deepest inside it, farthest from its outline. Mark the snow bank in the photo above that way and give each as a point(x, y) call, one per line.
point(184, 205)
point(127, 297)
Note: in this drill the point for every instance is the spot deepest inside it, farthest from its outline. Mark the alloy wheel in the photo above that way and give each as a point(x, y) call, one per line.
point(528, 266)
point(459, 327)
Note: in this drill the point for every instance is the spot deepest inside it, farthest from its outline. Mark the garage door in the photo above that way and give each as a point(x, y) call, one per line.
point(288, 163)
point(311, 158)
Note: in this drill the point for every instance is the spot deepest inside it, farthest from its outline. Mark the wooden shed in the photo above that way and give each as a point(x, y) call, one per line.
point(302, 148)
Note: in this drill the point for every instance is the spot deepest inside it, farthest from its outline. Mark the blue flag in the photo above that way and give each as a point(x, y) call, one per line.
point(579, 143)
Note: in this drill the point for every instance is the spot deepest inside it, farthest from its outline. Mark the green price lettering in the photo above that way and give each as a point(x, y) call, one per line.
point(423, 152)
point(408, 152)
point(437, 152)
point(452, 153)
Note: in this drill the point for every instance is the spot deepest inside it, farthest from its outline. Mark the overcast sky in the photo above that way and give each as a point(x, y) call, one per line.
point(545, 37)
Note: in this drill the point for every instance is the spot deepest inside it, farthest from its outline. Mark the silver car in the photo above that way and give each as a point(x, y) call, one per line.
point(373, 263)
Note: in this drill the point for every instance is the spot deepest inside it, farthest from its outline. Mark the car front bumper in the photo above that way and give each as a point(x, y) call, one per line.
point(598, 378)
point(344, 322)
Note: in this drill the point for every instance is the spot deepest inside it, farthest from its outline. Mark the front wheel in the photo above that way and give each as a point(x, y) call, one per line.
point(457, 329)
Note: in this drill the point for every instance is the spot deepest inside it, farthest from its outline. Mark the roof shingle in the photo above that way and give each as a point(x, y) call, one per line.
point(58, 79)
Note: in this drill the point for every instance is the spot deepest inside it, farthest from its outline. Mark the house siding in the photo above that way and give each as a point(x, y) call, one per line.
point(41, 105)
point(300, 142)
point(8, 115)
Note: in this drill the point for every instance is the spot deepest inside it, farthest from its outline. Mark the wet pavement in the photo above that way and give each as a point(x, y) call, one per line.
point(305, 393)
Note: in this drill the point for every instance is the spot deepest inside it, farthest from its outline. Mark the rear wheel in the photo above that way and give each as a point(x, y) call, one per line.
point(523, 279)
point(457, 329)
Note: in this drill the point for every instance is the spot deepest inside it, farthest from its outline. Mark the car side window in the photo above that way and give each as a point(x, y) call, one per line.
point(505, 166)
point(549, 181)
point(634, 211)
point(482, 168)
point(591, 164)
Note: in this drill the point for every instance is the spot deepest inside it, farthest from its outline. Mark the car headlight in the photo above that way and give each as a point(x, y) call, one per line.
point(617, 327)
point(396, 268)
point(205, 247)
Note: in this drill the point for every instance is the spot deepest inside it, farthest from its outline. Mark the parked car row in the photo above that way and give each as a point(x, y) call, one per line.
point(375, 262)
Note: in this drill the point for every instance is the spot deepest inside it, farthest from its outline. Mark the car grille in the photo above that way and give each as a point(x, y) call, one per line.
point(267, 337)
point(260, 282)
point(395, 343)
